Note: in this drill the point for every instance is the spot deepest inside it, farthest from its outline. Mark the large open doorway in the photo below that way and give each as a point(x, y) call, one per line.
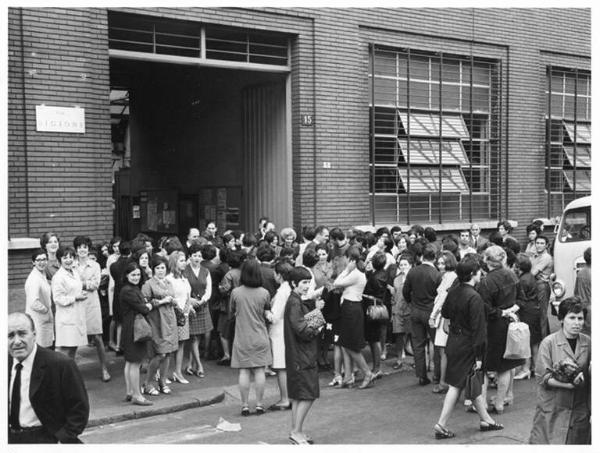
point(194, 144)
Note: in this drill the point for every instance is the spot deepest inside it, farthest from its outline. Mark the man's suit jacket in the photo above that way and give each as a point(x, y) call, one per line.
point(58, 394)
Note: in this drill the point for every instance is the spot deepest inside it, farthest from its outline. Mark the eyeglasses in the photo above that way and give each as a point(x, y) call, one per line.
point(40, 260)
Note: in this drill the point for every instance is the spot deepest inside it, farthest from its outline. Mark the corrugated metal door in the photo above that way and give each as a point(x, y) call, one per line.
point(267, 156)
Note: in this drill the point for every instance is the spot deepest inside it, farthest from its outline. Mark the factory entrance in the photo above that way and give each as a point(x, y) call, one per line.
point(197, 139)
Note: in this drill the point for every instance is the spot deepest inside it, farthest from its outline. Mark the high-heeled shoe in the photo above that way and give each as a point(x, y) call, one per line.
point(526, 374)
point(179, 379)
point(484, 426)
point(141, 402)
point(442, 433)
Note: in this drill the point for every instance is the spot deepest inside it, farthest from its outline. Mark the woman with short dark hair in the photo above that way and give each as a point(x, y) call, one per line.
point(466, 345)
point(132, 302)
point(38, 300)
point(68, 295)
point(563, 411)
point(251, 347)
point(533, 231)
point(301, 352)
point(159, 292)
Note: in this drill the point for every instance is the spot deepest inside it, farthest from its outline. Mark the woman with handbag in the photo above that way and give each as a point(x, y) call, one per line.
point(251, 351)
point(562, 415)
point(465, 348)
point(446, 264)
point(132, 303)
point(159, 292)
point(181, 292)
point(302, 325)
point(376, 314)
point(498, 289)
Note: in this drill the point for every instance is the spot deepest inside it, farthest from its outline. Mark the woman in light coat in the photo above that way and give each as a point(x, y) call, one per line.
point(38, 300)
point(275, 316)
point(562, 415)
point(68, 295)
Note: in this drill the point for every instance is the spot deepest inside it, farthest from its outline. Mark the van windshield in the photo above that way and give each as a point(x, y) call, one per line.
point(576, 225)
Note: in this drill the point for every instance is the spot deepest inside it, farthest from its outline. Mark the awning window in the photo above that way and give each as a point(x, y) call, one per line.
point(583, 181)
point(584, 132)
point(428, 125)
point(584, 155)
point(426, 180)
point(424, 151)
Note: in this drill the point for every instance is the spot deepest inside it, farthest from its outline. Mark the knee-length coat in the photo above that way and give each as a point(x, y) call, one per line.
point(300, 350)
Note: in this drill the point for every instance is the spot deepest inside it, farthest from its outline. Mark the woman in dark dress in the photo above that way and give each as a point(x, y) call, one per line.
point(466, 345)
point(132, 302)
point(301, 352)
point(498, 289)
point(529, 311)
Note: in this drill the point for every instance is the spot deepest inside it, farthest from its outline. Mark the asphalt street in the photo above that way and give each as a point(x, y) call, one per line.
point(395, 411)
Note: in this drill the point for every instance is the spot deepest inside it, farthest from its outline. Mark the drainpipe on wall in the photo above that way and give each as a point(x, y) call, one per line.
point(316, 119)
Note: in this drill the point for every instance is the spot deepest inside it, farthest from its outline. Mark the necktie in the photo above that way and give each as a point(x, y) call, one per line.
point(15, 399)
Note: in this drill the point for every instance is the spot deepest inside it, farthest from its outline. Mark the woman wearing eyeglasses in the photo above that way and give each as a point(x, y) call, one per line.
point(38, 300)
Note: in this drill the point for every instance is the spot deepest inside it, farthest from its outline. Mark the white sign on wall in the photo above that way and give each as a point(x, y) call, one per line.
point(60, 119)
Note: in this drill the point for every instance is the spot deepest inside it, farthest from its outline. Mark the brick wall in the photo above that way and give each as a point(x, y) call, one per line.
point(58, 181)
point(68, 178)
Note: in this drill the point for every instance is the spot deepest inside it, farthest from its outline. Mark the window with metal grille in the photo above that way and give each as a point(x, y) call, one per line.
point(568, 137)
point(156, 35)
point(434, 137)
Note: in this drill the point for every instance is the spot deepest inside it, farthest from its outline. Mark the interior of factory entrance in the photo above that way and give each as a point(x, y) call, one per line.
point(193, 144)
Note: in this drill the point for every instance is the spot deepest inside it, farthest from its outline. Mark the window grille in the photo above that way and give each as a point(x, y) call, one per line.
point(568, 137)
point(435, 137)
point(196, 40)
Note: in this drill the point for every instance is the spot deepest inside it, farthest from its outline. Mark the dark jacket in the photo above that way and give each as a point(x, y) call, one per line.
point(58, 395)
point(117, 272)
point(420, 286)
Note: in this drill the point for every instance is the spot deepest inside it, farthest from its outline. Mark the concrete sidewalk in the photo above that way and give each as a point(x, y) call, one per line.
point(107, 403)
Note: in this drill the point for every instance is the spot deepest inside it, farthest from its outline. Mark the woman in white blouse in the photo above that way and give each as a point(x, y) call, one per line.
point(181, 293)
point(352, 337)
point(68, 295)
point(275, 317)
point(38, 299)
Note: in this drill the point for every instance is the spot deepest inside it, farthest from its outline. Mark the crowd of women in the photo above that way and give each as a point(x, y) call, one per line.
point(278, 303)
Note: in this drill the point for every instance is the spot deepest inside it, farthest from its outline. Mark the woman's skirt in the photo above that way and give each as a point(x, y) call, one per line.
point(352, 326)
point(200, 321)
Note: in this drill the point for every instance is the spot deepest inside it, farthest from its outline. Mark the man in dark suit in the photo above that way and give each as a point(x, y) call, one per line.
point(419, 291)
point(48, 402)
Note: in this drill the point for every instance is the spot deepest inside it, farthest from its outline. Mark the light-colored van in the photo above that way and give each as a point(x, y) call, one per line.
point(573, 236)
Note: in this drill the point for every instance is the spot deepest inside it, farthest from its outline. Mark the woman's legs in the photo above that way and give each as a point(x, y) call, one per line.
point(259, 384)
point(504, 389)
point(375, 347)
point(283, 391)
point(112, 327)
point(383, 339)
point(225, 346)
point(400, 337)
point(118, 333)
point(134, 380)
point(534, 352)
point(480, 406)
point(337, 360)
point(244, 385)
point(347, 365)
point(69, 351)
point(443, 363)
point(449, 402)
point(179, 359)
point(153, 365)
point(99, 343)
point(195, 352)
point(164, 369)
point(128, 390)
point(359, 360)
point(302, 408)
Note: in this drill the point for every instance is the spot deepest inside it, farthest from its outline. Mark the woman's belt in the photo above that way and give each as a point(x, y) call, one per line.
point(373, 298)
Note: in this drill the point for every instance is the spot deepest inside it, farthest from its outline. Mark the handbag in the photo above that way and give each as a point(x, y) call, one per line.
point(315, 319)
point(377, 311)
point(473, 384)
point(179, 316)
point(141, 329)
point(517, 341)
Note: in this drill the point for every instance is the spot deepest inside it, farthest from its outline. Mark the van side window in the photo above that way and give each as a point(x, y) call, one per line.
point(576, 226)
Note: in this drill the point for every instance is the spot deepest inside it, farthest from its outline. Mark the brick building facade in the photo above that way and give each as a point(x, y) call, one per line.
point(63, 182)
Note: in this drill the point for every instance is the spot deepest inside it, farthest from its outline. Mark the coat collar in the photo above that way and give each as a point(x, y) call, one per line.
point(563, 343)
